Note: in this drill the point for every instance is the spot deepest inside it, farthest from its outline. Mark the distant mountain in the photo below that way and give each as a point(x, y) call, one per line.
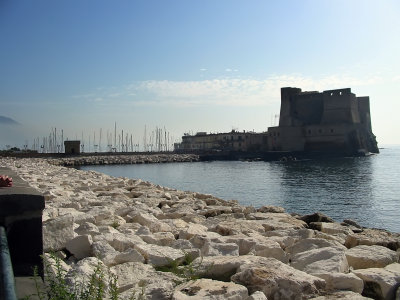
point(7, 121)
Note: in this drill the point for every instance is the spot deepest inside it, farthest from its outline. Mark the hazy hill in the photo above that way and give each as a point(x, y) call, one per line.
point(7, 120)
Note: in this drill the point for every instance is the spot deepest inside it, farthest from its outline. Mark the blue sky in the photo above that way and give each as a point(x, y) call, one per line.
point(189, 65)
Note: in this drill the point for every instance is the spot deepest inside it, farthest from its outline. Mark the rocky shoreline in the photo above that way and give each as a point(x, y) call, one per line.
point(120, 159)
point(140, 231)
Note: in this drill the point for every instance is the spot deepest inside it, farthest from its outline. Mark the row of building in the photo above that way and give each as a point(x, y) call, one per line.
point(331, 121)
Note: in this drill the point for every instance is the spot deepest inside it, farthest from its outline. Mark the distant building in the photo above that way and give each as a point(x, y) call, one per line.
point(231, 141)
point(333, 121)
point(72, 147)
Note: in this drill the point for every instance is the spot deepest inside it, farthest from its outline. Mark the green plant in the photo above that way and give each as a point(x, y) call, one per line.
point(93, 288)
point(115, 224)
point(186, 268)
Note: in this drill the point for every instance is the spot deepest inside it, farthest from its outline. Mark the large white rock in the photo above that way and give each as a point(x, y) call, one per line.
point(270, 248)
point(80, 246)
point(137, 278)
point(57, 232)
point(257, 296)
point(151, 222)
point(341, 281)
point(81, 272)
point(209, 289)
point(341, 295)
point(130, 255)
point(87, 228)
point(380, 283)
point(374, 237)
point(257, 245)
point(363, 256)
point(159, 255)
point(159, 238)
point(214, 249)
point(312, 243)
point(274, 278)
point(192, 230)
point(335, 228)
point(321, 260)
point(119, 241)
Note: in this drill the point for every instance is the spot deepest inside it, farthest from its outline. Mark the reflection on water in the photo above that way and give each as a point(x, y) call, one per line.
point(363, 189)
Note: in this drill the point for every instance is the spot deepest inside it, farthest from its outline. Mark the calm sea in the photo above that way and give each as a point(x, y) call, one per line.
point(365, 189)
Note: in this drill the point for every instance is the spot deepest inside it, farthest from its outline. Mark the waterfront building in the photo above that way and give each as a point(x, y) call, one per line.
point(231, 141)
point(334, 121)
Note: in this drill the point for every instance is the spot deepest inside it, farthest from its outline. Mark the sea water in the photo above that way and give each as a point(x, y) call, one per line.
point(364, 189)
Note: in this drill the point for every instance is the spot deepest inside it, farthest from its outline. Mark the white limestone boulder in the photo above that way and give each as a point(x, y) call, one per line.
point(270, 248)
point(257, 296)
point(380, 283)
point(237, 226)
point(118, 241)
point(342, 281)
point(151, 222)
point(159, 255)
point(334, 228)
point(80, 246)
point(321, 260)
point(363, 256)
point(53, 265)
point(192, 230)
point(141, 278)
point(278, 281)
point(87, 228)
point(268, 275)
point(215, 249)
point(209, 289)
point(341, 295)
point(277, 221)
point(79, 216)
point(130, 255)
point(57, 232)
point(187, 248)
point(271, 209)
point(159, 238)
point(311, 244)
point(81, 272)
point(374, 237)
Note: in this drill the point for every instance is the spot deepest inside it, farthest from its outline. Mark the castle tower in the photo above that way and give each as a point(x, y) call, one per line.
point(287, 105)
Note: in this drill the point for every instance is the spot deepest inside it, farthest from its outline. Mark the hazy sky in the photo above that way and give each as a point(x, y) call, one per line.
point(81, 65)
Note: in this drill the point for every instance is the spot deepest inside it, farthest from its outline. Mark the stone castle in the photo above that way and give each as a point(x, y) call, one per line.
point(331, 121)
point(334, 121)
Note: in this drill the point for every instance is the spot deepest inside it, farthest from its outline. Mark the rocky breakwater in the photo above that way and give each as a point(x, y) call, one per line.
point(122, 159)
point(172, 244)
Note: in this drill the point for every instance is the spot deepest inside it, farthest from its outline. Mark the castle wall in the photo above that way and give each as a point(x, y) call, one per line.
point(340, 106)
point(364, 111)
point(290, 138)
point(287, 99)
point(308, 109)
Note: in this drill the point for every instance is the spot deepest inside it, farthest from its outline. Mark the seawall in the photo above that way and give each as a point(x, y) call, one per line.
point(136, 228)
